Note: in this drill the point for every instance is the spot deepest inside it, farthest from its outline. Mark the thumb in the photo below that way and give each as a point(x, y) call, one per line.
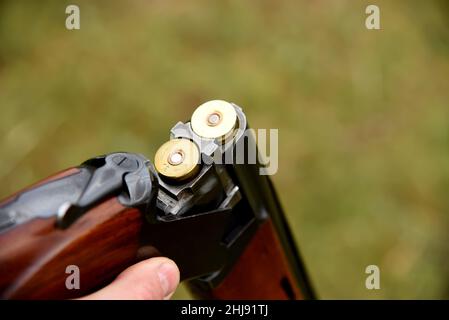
point(152, 279)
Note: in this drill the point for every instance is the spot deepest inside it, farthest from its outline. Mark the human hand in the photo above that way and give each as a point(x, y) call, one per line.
point(152, 279)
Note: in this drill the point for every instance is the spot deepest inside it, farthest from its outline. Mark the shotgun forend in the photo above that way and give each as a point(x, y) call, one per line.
point(216, 216)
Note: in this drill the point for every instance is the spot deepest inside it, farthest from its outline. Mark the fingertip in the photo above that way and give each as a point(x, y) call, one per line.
point(152, 279)
point(168, 273)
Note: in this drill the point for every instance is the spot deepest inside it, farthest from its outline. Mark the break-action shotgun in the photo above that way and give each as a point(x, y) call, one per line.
point(216, 216)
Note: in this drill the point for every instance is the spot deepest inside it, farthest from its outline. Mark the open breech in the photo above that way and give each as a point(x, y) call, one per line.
point(215, 215)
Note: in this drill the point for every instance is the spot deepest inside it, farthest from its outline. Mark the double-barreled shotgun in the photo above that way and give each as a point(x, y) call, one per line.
point(216, 216)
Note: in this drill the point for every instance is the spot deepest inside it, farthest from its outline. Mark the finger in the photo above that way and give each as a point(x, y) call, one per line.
point(152, 279)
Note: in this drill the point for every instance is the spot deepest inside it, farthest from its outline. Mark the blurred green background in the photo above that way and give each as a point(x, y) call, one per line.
point(363, 115)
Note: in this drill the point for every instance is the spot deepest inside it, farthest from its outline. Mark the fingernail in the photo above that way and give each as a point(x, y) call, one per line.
point(167, 277)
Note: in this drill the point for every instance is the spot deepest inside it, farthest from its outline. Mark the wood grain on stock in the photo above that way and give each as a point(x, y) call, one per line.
point(34, 255)
point(261, 273)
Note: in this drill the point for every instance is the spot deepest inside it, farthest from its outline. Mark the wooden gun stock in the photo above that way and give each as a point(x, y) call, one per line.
point(34, 255)
point(261, 273)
